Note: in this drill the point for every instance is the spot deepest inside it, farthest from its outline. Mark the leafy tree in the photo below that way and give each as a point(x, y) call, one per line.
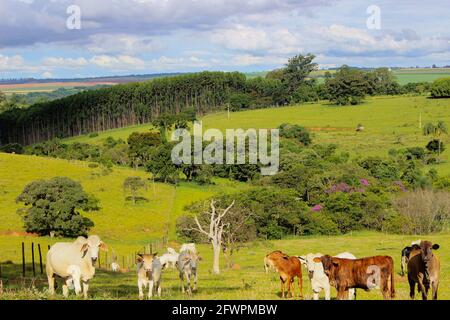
point(347, 87)
point(160, 164)
point(52, 208)
point(297, 70)
point(141, 145)
point(12, 148)
point(134, 186)
point(435, 130)
point(441, 88)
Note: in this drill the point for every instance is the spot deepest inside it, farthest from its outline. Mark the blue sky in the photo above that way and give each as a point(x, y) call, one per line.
point(153, 36)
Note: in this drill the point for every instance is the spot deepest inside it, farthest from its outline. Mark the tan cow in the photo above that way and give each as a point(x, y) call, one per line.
point(423, 269)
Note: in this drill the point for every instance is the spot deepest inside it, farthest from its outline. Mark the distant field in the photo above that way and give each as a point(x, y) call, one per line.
point(390, 122)
point(9, 89)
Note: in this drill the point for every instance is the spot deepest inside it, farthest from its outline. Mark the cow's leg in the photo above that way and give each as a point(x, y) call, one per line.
point(195, 281)
point(159, 288)
point(404, 265)
point(51, 283)
point(434, 287)
point(65, 287)
point(151, 283)
point(351, 294)
point(342, 293)
point(85, 289)
point(300, 286)
point(412, 288)
point(422, 290)
point(282, 287)
point(182, 281)
point(188, 278)
point(141, 292)
point(327, 292)
point(289, 281)
point(385, 288)
point(315, 294)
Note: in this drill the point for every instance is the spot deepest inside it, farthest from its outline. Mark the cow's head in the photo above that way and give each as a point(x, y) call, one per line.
point(146, 260)
point(310, 264)
point(92, 245)
point(426, 250)
point(330, 266)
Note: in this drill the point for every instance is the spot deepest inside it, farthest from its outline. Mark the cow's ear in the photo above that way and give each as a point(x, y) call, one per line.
point(302, 259)
point(139, 257)
point(103, 246)
point(317, 259)
point(335, 262)
point(415, 247)
point(435, 246)
point(84, 247)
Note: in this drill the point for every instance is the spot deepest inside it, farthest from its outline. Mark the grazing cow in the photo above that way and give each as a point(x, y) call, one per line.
point(189, 247)
point(169, 260)
point(115, 267)
point(317, 276)
point(366, 273)
point(288, 268)
point(187, 266)
point(149, 274)
point(424, 269)
point(268, 265)
point(66, 260)
point(74, 280)
point(405, 255)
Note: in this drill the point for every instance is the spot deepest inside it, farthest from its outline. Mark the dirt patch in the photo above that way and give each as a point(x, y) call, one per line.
point(330, 129)
point(17, 234)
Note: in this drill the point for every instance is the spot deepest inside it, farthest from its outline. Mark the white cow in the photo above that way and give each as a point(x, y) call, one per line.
point(71, 261)
point(317, 276)
point(188, 247)
point(115, 267)
point(169, 259)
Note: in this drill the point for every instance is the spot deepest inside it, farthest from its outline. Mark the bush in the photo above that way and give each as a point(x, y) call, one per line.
point(436, 146)
point(441, 88)
point(297, 132)
point(52, 208)
point(12, 148)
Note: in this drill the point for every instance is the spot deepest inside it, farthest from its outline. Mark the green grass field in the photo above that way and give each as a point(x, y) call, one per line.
point(390, 122)
point(248, 279)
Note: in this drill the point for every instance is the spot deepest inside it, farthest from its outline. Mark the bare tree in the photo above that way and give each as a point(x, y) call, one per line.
point(215, 231)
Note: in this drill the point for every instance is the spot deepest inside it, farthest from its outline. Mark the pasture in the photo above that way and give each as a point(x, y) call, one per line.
point(25, 88)
point(248, 279)
point(390, 122)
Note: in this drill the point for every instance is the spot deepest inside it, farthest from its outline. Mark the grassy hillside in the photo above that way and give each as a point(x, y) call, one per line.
point(117, 219)
point(248, 279)
point(390, 122)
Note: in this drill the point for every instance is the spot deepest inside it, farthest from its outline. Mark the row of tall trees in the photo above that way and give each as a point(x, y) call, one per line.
point(119, 106)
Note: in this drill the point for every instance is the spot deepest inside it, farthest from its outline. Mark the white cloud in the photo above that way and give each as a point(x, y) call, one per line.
point(69, 63)
point(241, 37)
point(122, 43)
point(117, 63)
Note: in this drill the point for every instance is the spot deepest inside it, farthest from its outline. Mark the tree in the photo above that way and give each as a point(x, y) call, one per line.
point(215, 231)
point(134, 185)
point(141, 145)
point(160, 164)
point(441, 88)
point(435, 130)
point(347, 87)
point(297, 70)
point(52, 208)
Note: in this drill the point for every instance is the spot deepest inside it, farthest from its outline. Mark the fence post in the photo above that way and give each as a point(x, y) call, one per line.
point(151, 248)
point(23, 260)
point(32, 259)
point(123, 262)
point(40, 258)
point(106, 259)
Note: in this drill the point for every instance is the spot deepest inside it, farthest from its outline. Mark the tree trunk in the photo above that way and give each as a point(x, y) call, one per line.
point(216, 261)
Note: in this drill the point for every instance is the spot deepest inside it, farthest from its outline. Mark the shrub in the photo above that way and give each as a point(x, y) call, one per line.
point(297, 132)
point(12, 148)
point(441, 88)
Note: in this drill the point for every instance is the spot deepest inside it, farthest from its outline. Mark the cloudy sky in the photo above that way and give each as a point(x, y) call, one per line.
point(152, 36)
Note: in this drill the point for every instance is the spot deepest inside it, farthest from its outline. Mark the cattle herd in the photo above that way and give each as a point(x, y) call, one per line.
point(74, 263)
point(346, 273)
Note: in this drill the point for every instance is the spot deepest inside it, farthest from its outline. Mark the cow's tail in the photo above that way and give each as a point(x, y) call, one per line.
point(392, 281)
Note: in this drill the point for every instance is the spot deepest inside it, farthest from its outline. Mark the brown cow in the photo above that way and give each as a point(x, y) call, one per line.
point(366, 273)
point(423, 269)
point(288, 268)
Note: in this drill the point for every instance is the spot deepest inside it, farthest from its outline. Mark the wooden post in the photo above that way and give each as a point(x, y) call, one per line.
point(151, 248)
point(99, 262)
point(106, 259)
point(23, 260)
point(40, 258)
point(32, 259)
point(123, 262)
